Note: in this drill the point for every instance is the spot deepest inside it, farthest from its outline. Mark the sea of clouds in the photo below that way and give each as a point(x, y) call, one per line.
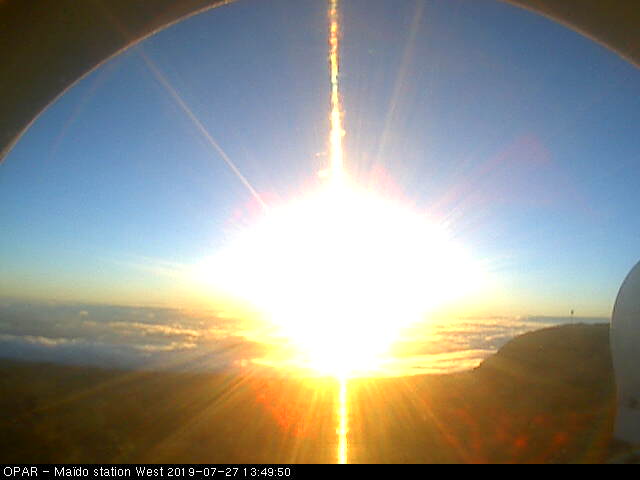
point(165, 338)
point(123, 337)
point(458, 344)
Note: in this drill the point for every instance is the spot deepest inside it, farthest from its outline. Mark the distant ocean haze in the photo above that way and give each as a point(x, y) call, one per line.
point(171, 339)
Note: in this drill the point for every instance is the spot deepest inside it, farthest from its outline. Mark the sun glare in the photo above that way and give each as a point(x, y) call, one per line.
point(341, 272)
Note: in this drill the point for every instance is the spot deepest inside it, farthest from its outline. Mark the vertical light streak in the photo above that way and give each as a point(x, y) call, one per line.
point(343, 421)
point(336, 168)
point(337, 132)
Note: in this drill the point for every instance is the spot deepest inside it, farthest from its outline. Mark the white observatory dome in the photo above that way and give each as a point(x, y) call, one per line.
point(625, 350)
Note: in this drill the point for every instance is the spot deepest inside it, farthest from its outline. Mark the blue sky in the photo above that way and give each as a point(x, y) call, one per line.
point(519, 132)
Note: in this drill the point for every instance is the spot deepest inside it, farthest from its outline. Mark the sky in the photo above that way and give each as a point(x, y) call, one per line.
point(516, 132)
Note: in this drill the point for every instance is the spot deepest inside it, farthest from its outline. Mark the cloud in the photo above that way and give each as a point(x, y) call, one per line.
point(451, 345)
point(123, 337)
point(44, 341)
point(438, 363)
point(164, 338)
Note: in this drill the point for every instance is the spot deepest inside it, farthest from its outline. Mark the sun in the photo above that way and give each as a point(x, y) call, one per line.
point(341, 272)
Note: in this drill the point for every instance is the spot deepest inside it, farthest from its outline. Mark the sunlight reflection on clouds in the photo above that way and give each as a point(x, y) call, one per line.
point(137, 337)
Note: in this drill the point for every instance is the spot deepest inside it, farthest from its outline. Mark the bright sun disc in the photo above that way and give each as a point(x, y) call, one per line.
point(341, 272)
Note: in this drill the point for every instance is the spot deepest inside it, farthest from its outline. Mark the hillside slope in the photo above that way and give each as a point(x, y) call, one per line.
point(546, 396)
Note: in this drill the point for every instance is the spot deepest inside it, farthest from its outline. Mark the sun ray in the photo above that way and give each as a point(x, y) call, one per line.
point(337, 175)
point(343, 421)
point(162, 79)
point(338, 273)
point(336, 132)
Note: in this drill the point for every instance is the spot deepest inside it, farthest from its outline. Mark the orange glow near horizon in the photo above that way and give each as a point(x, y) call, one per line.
point(343, 422)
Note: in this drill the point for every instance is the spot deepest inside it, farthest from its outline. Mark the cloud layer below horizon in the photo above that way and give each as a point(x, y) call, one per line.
point(170, 339)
